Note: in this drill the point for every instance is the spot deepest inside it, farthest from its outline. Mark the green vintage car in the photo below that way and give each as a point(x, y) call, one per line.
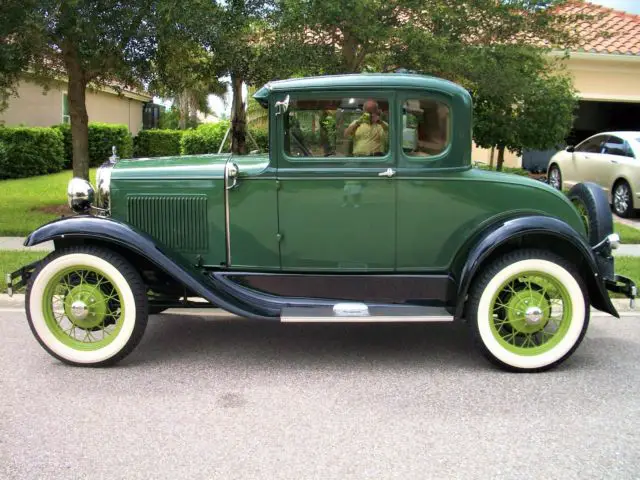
point(366, 208)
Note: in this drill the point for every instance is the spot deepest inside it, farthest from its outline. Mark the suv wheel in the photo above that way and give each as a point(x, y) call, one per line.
point(87, 306)
point(528, 311)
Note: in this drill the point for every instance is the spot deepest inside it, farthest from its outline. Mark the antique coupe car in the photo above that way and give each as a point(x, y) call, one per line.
point(365, 209)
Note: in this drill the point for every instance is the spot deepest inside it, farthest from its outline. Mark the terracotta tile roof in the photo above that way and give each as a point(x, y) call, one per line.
point(612, 31)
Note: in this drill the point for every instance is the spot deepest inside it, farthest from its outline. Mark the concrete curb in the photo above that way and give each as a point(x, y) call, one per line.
point(17, 302)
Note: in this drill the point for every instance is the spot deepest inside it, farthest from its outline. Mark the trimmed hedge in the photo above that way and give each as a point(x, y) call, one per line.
point(157, 143)
point(204, 139)
point(102, 136)
point(31, 151)
point(207, 138)
point(261, 136)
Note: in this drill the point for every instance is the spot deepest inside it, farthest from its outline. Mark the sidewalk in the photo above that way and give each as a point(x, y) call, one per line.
point(16, 243)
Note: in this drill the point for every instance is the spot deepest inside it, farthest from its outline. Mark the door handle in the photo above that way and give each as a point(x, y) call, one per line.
point(389, 172)
point(614, 161)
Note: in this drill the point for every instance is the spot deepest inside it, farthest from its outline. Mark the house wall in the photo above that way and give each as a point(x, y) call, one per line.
point(595, 77)
point(35, 108)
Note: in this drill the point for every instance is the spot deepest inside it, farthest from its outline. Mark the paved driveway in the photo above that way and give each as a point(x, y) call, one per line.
point(223, 398)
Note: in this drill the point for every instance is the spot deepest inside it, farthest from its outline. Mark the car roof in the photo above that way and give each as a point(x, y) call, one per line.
point(360, 80)
point(624, 134)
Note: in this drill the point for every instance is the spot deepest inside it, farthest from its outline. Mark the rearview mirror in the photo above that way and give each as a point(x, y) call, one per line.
point(570, 148)
point(282, 105)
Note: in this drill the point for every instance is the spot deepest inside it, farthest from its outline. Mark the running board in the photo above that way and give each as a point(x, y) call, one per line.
point(361, 313)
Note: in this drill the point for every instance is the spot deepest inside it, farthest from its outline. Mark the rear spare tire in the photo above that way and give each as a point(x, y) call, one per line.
point(593, 206)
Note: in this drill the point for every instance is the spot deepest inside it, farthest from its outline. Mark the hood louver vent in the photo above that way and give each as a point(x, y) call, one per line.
point(180, 221)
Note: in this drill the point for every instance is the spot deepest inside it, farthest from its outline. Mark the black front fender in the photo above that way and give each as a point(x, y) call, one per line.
point(507, 231)
point(108, 231)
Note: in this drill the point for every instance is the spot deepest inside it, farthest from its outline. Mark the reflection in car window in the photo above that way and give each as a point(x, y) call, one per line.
point(425, 127)
point(338, 127)
point(614, 146)
point(591, 146)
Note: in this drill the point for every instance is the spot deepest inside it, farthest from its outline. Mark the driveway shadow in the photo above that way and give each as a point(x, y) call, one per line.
point(228, 341)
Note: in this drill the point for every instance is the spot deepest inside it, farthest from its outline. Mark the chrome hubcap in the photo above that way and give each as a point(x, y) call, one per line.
point(554, 178)
point(621, 198)
point(79, 310)
point(533, 315)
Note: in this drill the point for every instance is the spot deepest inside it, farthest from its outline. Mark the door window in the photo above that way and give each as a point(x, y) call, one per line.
point(615, 146)
point(425, 127)
point(333, 129)
point(591, 145)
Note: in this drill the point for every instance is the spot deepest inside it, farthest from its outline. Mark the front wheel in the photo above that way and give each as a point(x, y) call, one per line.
point(87, 306)
point(528, 311)
point(555, 177)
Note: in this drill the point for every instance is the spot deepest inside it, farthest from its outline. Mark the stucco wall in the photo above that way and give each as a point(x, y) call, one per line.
point(33, 108)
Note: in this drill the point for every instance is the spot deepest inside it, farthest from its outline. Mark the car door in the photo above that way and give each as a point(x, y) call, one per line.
point(586, 161)
point(336, 192)
point(617, 153)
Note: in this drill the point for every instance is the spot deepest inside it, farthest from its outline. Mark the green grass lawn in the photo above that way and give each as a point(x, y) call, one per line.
point(11, 260)
point(22, 202)
point(627, 234)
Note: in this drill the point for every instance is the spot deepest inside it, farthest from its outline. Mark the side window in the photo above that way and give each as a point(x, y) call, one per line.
point(425, 127)
point(590, 146)
point(336, 127)
point(628, 151)
point(614, 146)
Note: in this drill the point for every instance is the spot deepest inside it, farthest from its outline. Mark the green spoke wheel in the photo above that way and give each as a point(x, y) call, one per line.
point(83, 308)
point(87, 306)
point(530, 313)
point(528, 310)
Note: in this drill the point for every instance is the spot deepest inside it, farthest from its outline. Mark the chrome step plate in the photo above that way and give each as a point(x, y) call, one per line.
point(375, 314)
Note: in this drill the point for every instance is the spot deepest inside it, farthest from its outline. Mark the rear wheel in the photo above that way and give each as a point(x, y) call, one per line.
point(528, 311)
point(87, 306)
point(622, 201)
point(593, 207)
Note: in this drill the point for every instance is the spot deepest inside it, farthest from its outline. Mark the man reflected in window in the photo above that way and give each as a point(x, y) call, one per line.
point(370, 133)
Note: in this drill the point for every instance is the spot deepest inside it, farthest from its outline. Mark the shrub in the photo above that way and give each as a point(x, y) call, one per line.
point(204, 139)
point(516, 171)
point(261, 136)
point(102, 136)
point(65, 129)
point(30, 151)
point(157, 143)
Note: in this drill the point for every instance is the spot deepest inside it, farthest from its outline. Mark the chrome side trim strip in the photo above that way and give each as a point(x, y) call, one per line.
point(367, 319)
point(374, 314)
point(227, 227)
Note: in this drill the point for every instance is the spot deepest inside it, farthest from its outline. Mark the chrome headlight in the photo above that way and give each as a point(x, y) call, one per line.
point(80, 195)
point(103, 185)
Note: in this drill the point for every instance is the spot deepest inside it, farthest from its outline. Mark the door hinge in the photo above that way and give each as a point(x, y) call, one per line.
point(278, 185)
point(279, 237)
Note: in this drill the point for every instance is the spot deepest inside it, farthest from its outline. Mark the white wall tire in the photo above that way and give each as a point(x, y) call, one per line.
point(569, 316)
point(125, 327)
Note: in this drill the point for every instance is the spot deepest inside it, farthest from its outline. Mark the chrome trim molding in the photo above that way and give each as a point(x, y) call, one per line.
point(374, 314)
point(230, 173)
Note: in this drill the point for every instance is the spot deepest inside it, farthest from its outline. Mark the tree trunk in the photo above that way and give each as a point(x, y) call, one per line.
point(193, 108)
point(493, 151)
point(500, 158)
point(76, 93)
point(183, 109)
point(238, 117)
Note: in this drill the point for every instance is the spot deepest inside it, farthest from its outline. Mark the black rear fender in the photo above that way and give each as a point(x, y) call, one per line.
point(534, 232)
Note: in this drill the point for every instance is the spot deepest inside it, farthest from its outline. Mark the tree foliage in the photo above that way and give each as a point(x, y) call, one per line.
point(86, 41)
